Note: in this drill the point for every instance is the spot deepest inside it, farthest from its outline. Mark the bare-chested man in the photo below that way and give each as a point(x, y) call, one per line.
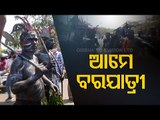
point(44, 58)
point(26, 80)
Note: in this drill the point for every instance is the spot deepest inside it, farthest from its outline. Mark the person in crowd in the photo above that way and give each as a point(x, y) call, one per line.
point(26, 79)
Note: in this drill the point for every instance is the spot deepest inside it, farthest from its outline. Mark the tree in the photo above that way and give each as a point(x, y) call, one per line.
point(40, 22)
point(102, 31)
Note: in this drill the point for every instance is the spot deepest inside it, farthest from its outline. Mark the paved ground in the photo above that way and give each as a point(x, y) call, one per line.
point(3, 96)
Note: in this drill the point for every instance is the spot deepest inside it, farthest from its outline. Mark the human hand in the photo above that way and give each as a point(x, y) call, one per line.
point(53, 63)
point(39, 72)
point(54, 87)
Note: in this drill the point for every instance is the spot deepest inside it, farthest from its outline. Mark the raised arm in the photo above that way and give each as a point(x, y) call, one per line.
point(48, 82)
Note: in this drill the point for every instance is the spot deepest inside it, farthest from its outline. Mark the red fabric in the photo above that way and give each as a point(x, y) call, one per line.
point(2, 65)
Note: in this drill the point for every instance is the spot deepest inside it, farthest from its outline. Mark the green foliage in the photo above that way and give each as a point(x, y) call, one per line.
point(55, 98)
point(39, 21)
point(148, 24)
point(15, 43)
point(4, 51)
point(44, 101)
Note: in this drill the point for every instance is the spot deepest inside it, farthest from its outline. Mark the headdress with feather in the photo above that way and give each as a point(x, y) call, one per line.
point(25, 26)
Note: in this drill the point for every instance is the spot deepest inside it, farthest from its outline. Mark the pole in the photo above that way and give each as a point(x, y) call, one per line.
point(24, 58)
